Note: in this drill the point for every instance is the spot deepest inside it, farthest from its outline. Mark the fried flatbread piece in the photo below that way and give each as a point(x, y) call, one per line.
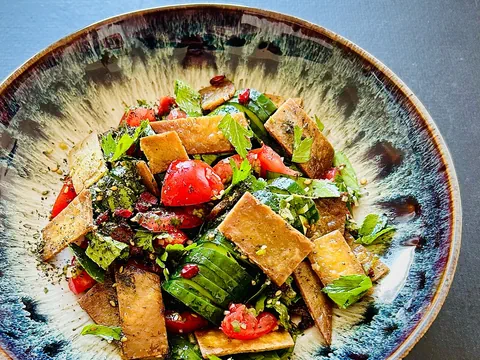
point(100, 302)
point(162, 149)
point(214, 96)
point(262, 235)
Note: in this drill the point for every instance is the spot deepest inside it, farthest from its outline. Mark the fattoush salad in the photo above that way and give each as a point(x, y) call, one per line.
point(213, 223)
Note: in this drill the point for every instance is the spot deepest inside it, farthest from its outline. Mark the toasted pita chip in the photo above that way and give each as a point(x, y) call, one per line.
point(332, 216)
point(373, 266)
point(67, 227)
point(215, 342)
point(162, 149)
point(86, 163)
point(270, 242)
point(214, 96)
point(147, 177)
point(281, 125)
point(318, 303)
point(200, 135)
point(279, 100)
point(141, 313)
point(97, 302)
point(332, 258)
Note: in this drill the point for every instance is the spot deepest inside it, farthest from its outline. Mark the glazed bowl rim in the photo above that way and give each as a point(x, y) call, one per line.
point(446, 279)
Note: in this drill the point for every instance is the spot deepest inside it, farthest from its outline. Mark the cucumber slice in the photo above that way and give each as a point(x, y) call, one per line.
point(187, 294)
point(224, 280)
point(224, 260)
point(220, 296)
point(224, 109)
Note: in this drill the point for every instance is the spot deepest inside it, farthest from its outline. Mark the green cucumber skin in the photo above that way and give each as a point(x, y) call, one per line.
point(220, 296)
point(226, 262)
point(198, 304)
point(227, 283)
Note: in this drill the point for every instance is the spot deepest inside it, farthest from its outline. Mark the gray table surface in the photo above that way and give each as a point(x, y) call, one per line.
point(433, 45)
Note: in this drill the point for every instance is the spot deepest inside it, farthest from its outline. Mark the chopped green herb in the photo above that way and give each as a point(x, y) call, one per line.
point(108, 145)
point(238, 135)
point(188, 99)
point(144, 239)
point(374, 229)
point(347, 290)
point(142, 102)
point(126, 141)
point(97, 273)
point(108, 333)
point(241, 173)
point(301, 148)
point(236, 326)
point(103, 250)
point(319, 123)
point(347, 172)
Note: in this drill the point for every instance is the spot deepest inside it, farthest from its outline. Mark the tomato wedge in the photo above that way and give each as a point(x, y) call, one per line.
point(332, 173)
point(262, 160)
point(190, 182)
point(133, 117)
point(80, 282)
point(184, 322)
point(65, 197)
point(173, 236)
point(242, 324)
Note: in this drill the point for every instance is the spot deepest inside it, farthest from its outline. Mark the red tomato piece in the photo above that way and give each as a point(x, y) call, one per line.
point(189, 216)
point(124, 213)
point(166, 104)
point(332, 173)
point(190, 182)
point(80, 282)
point(244, 96)
point(133, 117)
point(175, 236)
point(262, 160)
point(242, 324)
point(189, 271)
point(271, 161)
point(65, 197)
point(184, 322)
point(176, 114)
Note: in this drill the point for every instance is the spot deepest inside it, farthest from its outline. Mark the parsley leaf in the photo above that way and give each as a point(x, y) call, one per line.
point(319, 123)
point(144, 239)
point(374, 229)
point(108, 145)
point(347, 290)
point(301, 148)
point(188, 99)
point(103, 250)
point(238, 135)
point(125, 141)
point(108, 333)
point(241, 173)
point(347, 172)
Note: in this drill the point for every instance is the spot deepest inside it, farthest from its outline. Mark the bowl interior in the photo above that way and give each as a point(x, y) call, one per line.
point(82, 84)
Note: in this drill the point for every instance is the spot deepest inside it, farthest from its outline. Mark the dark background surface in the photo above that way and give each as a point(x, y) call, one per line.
point(432, 45)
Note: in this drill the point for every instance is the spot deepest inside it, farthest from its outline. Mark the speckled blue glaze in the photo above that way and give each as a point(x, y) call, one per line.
point(80, 84)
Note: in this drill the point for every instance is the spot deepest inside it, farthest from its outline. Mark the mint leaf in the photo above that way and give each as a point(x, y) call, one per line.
point(347, 290)
point(319, 123)
point(108, 333)
point(103, 250)
point(108, 145)
point(238, 135)
point(347, 172)
point(374, 228)
point(301, 148)
point(97, 273)
point(188, 99)
point(125, 141)
point(144, 239)
point(241, 173)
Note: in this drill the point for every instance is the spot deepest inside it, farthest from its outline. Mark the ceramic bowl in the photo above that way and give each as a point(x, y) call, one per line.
point(82, 82)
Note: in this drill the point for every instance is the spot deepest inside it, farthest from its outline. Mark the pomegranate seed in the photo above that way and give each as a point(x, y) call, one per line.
point(103, 217)
point(331, 174)
point(217, 80)
point(124, 213)
point(189, 271)
point(166, 104)
point(142, 206)
point(148, 198)
point(244, 96)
